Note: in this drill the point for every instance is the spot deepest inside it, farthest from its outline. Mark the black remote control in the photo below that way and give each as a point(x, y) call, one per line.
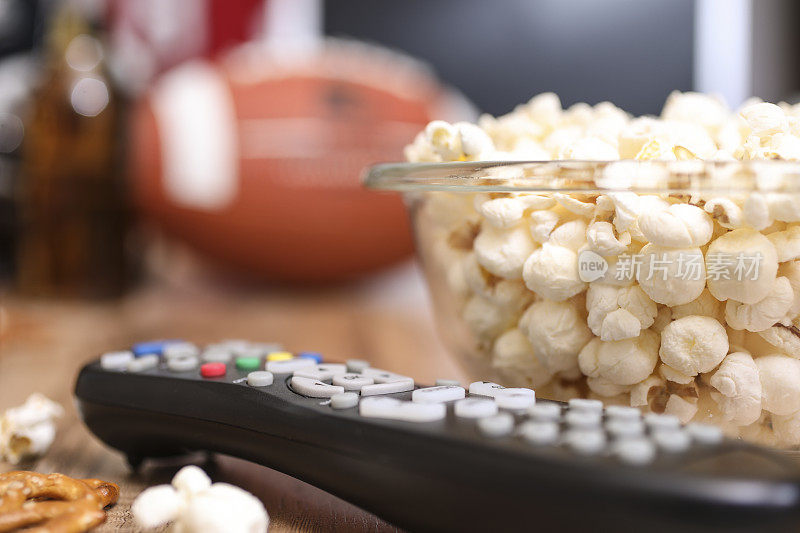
point(441, 458)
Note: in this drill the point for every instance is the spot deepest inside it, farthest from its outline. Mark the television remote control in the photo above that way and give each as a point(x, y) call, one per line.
point(442, 458)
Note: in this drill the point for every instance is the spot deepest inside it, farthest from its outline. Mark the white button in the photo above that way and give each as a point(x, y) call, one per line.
point(443, 393)
point(545, 411)
point(217, 355)
point(260, 378)
point(351, 381)
point(625, 428)
point(539, 433)
point(393, 409)
point(447, 382)
point(585, 441)
point(704, 433)
point(655, 421)
point(264, 348)
point(671, 440)
point(288, 366)
point(322, 372)
point(388, 388)
point(484, 388)
point(182, 364)
point(583, 419)
point(344, 400)
point(515, 399)
point(635, 451)
point(180, 349)
point(115, 360)
point(498, 425)
point(582, 404)
point(145, 362)
point(620, 412)
point(314, 388)
point(475, 408)
point(357, 366)
point(384, 376)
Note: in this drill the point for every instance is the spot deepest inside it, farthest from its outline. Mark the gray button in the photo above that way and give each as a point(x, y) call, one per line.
point(145, 362)
point(656, 421)
point(498, 425)
point(356, 365)
point(545, 411)
point(182, 364)
point(620, 412)
point(344, 400)
point(217, 355)
point(539, 433)
point(180, 349)
point(671, 440)
point(582, 404)
point(514, 399)
point(448, 383)
point(475, 408)
point(351, 381)
point(583, 419)
point(705, 433)
point(439, 394)
point(116, 360)
point(625, 428)
point(585, 441)
point(635, 451)
point(260, 378)
point(314, 388)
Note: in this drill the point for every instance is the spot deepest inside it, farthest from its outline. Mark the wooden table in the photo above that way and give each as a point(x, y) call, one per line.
point(43, 344)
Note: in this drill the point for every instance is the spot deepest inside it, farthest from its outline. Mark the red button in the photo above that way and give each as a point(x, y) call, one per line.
point(212, 370)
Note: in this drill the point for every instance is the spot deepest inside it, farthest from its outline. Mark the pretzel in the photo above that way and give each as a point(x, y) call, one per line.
point(53, 503)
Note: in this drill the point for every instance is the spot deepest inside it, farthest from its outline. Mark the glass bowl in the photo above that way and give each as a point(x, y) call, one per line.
point(673, 287)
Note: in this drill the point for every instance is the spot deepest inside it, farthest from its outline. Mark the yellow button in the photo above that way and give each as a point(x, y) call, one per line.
point(279, 356)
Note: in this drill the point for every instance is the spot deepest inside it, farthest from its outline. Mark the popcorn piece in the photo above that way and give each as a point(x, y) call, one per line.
point(765, 119)
point(693, 344)
point(552, 272)
point(506, 212)
point(739, 389)
point(514, 354)
point(557, 333)
point(791, 271)
point(575, 206)
point(787, 428)
point(780, 383)
point(786, 339)
point(705, 305)
point(670, 374)
point(786, 243)
point(747, 247)
point(603, 301)
point(765, 313)
point(605, 388)
point(645, 392)
point(486, 319)
point(678, 226)
point(571, 234)
point(601, 239)
point(698, 108)
point(542, 224)
point(29, 429)
point(625, 362)
point(726, 212)
point(589, 149)
point(671, 276)
point(198, 506)
point(682, 408)
point(504, 252)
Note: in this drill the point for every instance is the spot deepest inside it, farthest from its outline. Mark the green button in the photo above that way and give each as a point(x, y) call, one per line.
point(247, 364)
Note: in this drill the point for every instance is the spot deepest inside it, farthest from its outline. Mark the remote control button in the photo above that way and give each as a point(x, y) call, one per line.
point(671, 440)
point(234, 345)
point(289, 366)
point(635, 451)
point(515, 399)
point(156, 347)
point(247, 364)
point(182, 364)
point(213, 370)
point(280, 356)
point(260, 378)
point(440, 394)
point(145, 362)
point(357, 366)
point(314, 388)
point(705, 433)
point(545, 411)
point(475, 408)
point(180, 349)
point(498, 425)
point(622, 428)
point(393, 409)
point(585, 441)
point(344, 400)
point(116, 360)
point(583, 419)
point(620, 412)
point(322, 372)
point(383, 376)
point(388, 388)
point(217, 355)
point(351, 381)
point(316, 356)
point(582, 404)
point(655, 421)
point(448, 383)
point(539, 433)
point(484, 388)
point(266, 347)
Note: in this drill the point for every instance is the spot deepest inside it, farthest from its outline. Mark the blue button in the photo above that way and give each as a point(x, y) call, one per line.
point(156, 347)
point(316, 356)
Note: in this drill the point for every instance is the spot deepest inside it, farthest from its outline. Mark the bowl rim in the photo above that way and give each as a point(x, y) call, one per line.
point(583, 176)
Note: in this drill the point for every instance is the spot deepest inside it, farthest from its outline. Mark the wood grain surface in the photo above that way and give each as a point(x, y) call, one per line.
point(44, 343)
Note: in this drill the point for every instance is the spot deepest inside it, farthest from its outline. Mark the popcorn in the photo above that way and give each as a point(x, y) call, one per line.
point(625, 362)
point(738, 389)
point(513, 353)
point(194, 505)
point(28, 430)
point(665, 276)
point(552, 271)
point(602, 239)
point(780, 383)
point(677, 226)
point(732, 247)
point(693, 344)
point(504, 252)
point(726, 212)
point(603, 303)
point(765, 313)
point(557, 333)
point(765, 119)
